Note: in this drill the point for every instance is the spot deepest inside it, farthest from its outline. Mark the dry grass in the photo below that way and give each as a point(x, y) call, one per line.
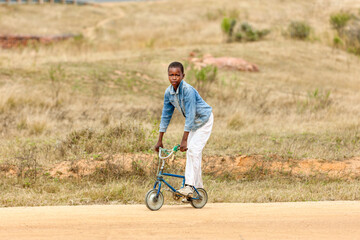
point(132, 190)
point(92, 87)
point(304, 102)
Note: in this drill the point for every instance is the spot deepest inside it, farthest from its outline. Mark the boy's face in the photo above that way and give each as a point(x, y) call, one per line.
point(175, 77)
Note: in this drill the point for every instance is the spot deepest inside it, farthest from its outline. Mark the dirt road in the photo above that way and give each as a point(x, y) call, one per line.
point(305, 220)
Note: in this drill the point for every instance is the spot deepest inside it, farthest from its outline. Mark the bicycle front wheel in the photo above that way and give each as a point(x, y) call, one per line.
point(152, 201)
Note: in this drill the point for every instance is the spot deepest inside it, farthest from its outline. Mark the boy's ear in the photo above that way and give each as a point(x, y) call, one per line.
point(183, 75)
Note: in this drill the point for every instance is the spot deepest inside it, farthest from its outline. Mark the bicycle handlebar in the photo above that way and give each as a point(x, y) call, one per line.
point(168, 151)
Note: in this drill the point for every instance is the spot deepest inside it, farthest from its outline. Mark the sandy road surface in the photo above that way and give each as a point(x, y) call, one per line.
point(306, 220)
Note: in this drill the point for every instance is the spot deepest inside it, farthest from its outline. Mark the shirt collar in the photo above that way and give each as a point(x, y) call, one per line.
point(172, 90)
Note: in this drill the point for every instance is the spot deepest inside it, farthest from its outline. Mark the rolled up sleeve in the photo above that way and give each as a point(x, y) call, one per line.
point(190, 109)
point(167, 112)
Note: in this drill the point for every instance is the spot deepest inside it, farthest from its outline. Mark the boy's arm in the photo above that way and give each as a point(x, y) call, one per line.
point(167, 112)
point(183, 145)
point(190, 109)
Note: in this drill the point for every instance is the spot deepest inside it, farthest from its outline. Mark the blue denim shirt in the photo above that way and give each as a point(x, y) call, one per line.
point(189, 103)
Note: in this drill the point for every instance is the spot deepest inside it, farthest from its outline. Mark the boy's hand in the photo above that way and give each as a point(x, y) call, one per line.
point(158, 145)
point(183, 146)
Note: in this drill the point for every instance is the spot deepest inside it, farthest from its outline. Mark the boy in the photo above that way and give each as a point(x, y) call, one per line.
point(198, 124)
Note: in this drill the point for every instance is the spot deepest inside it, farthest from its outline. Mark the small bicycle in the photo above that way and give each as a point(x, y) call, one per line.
point(154, 198)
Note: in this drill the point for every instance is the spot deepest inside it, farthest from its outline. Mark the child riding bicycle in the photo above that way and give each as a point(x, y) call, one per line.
point(198, 124)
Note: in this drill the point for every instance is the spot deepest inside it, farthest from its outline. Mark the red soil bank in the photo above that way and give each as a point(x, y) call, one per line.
point(10, 41)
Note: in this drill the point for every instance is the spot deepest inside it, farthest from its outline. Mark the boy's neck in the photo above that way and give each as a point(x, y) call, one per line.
point(175, 89)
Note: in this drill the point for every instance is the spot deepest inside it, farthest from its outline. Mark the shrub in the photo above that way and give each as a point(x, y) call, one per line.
point(202, 78)
point(348, 32)
point(299, 30)
point(337, 41)
point(244, 33)
point(339, 20)
point(227, 26)
point(351, 36)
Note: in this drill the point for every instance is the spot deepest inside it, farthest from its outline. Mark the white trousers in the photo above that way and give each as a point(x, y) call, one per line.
point(196, 143)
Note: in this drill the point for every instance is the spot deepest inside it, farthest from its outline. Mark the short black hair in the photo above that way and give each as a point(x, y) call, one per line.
point(176, 65)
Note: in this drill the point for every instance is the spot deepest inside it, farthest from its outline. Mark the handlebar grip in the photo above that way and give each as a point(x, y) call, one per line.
point(176, 148)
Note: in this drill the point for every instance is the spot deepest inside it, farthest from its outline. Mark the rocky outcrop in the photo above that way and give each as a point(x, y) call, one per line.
point(230, 63)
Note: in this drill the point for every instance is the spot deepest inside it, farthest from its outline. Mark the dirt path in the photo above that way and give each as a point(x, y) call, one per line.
point(305, 220)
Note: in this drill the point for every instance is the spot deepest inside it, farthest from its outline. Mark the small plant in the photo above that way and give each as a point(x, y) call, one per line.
point(235, 122)
point(347, 27)
point(203, 77)
point(339, 20)
point(354, 50)
point(26, 161)
point(299, 30)
point(227, 26)
point(244, 33)
point(57, 75)
point(337, 41)
point(317, 100)
point(321, 98)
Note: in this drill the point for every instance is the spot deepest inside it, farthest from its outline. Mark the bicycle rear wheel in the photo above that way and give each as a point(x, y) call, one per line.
point(152, 202)
point(203, 198)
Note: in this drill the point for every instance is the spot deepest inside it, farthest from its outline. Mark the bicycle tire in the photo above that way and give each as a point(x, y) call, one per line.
point(199, 203)
point(152, 202)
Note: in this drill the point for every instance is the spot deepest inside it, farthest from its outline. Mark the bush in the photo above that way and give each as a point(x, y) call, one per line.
point(351, 36)
point(227, 26)
point(299, 30)
point(339, 20)
point(202, 78)
point(337, 41)
point(348, 32)
point(244, 33)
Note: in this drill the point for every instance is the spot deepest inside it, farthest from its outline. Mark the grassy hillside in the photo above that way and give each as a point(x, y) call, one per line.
point(101, 93)
point(304, 102)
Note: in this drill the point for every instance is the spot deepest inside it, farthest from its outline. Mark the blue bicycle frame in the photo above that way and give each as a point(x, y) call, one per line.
point(160, 179)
